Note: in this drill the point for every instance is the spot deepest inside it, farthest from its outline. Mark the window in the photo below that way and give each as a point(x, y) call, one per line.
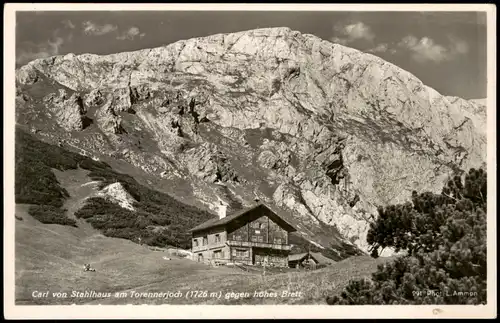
point(257, 239)
point(217, 254)
point(217, 238)
point(205, 241)
point(258, 226)
point(277, 240)
point(237, 237)
point(240, 253)
point(195, 241)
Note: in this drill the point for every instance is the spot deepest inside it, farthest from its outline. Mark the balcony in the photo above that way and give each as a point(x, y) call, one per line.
point(235, 243)
point(213, 245)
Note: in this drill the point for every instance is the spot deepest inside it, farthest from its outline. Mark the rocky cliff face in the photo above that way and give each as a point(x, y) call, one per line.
point(67, 110)
point(321, 132)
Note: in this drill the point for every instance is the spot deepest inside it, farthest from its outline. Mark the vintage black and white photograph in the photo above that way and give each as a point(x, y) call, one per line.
point(251, 157)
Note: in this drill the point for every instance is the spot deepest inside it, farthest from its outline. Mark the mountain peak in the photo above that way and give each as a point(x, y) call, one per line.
point(275, 31)
point(322, 132)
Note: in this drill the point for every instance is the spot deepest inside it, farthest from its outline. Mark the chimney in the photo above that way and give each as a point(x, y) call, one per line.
point(256, 198)
point(222, 210)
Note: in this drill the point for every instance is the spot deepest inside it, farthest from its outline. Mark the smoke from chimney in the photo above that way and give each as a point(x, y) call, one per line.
point(222, 210)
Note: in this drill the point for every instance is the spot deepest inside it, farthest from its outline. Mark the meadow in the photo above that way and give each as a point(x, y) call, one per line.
point(50, 258)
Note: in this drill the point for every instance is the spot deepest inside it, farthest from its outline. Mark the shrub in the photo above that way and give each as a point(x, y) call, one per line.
point(37, 184)
point(115, 221)
point(444, 236)
point(51, 215)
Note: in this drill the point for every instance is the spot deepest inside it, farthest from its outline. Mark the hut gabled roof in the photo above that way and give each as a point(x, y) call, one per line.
point(229, 218)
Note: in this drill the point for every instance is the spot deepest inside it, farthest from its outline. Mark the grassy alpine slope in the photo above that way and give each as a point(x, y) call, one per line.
point(158, 218)
point(52, 243)
point(49, 257)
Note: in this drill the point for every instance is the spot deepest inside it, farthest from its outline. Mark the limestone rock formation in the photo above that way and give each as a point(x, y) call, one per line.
point(324, 132)
point(107, 120)
point(27, 75)
point(94, 98)
point(67, 109)
point(210, 164)
point(116, 193)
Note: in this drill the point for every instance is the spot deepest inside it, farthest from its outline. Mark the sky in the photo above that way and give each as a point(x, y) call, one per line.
point(446, 50)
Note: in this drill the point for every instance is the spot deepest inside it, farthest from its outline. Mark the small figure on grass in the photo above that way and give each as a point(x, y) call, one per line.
point(86, 267)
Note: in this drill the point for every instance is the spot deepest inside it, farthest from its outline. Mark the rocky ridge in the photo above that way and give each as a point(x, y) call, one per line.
point(321, 132)
point(116, 193)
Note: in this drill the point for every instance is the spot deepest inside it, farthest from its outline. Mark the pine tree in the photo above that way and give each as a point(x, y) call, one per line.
point(444, 236)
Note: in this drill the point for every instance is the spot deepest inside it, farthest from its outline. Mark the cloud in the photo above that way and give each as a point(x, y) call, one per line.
point(426, 49)
point(68, 24)
point(380, 48)
point(353, 32)
point(40, 50)
point(363, 35)
point(91, 28)
point(28, 50)
point(359, 31)
point(131, 33)
point(340, 41)
point(458, 46)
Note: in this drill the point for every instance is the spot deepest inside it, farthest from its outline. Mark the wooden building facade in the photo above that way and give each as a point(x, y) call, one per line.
point(253, 236)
